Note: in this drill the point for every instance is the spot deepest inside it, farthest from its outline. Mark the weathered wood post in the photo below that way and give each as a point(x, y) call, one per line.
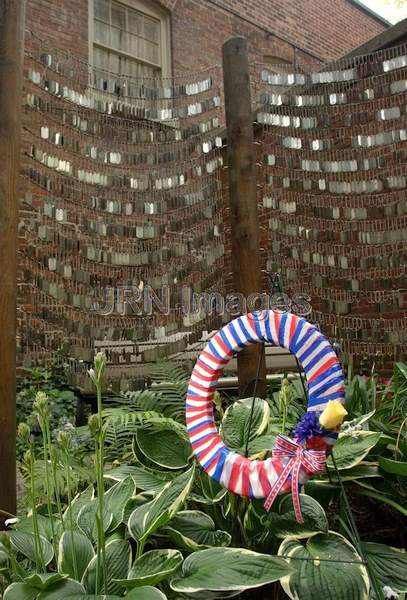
point(11, 65)
point(242, 198)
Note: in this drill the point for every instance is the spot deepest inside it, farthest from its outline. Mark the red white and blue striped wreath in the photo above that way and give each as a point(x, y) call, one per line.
point(294, 460)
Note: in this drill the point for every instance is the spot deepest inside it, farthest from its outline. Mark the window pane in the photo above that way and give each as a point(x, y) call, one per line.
point(102, 33)
point(102, 10)
point(150, 52)
point(134, 45)
point(118, 16)
point(135, 22)
point(114, 63)
point(118, 32)
point(101, 58)
point(151, 30)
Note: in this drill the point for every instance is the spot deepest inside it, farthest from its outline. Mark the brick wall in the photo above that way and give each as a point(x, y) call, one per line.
point(318, 29)
point(323, 29)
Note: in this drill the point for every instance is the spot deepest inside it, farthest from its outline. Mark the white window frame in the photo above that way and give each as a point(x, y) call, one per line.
point(147, 7)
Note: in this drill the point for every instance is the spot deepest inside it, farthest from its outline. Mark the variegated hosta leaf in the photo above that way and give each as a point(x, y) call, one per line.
point(284, 524)
point(149, 517)
point(20, 591)
point(118, 560)
point(152, 567)
point(115, 500)
point(44, 525)
point(25, 544)
point(351, 449)
point(194, 530)
point(146, 593)
point(358, 422)
point(364, 470)
point(79, 502)
point(86, 519)
point(67, 589)
point(206, 490)
point(207, 595)
point(388, 564)
point(240, 425)
point(164, 447)
point(324, 579)
point(42, 581)
point(228, 569)
point(261, 445)
point(75, 553)
point(252, 523)
point(146, 479)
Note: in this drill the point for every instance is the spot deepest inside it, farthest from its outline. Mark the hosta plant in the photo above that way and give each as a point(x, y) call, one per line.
point(151, 525)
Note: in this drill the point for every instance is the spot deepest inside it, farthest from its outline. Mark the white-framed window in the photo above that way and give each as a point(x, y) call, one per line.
point(128, 38)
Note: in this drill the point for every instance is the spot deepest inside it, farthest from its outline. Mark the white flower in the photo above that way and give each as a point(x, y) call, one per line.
point(12, 521)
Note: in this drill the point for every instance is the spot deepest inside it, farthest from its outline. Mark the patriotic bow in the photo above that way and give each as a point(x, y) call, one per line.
point(313, 461)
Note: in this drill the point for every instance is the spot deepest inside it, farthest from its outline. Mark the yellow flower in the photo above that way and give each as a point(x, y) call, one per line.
point(333, 415)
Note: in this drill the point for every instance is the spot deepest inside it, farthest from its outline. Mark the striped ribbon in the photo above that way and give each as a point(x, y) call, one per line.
point(313, 461)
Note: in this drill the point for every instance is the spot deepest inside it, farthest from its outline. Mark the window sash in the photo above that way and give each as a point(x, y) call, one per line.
point(130, 35)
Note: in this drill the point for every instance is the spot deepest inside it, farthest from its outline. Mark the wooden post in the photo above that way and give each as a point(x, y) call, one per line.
point(243, 199)
point(11, 65)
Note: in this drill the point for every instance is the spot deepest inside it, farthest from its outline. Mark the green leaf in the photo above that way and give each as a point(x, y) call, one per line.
point(44, 526)
point(25, 544)
point(207, 595)
point(350, 450)
point(389, 565)
point(194, 530)
point(79, 502)
point(116, 498)
point(146, 593)
point(394, 467)
point(149, 517)
point(42, 581)
point(357, 421)
point(81, 549)
point(206, 490)
point(83, 596)
point(86, 519)
point(328, 580)
point(322, 491)
point(67, 589)
point(240, 424)
point(381, 498)
point(146, 479)
point(118, 560)
point(364, 470)
point(401, 368)
point(252, 523)
point(152, 567)
point(20, 591)
point(165, 447)
point(228, 569)
point(263, 443)
point(285, 525)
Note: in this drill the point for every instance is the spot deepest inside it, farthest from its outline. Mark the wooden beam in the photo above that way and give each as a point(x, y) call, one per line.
point(243, 199)
point(11, 67)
